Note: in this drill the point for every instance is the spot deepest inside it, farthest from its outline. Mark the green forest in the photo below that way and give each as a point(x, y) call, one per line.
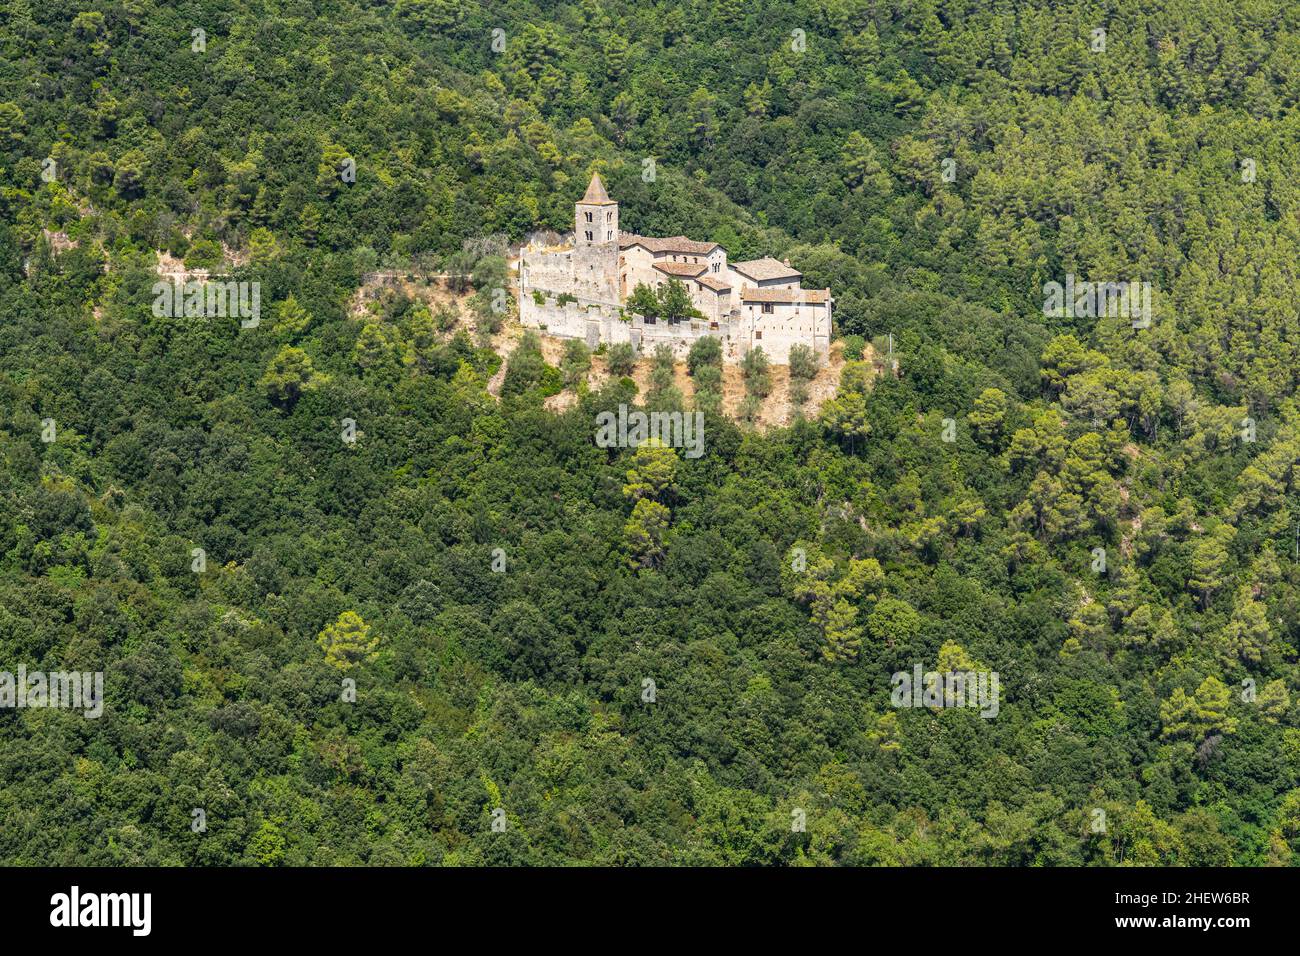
point(466, 635)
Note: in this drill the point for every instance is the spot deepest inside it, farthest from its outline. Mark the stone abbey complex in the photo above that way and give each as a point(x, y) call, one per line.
point(581, 290)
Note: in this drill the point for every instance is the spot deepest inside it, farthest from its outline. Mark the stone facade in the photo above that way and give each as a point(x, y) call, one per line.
point(579, 290)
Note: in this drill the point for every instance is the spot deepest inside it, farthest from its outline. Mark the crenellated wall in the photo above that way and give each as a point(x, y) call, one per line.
point(556, 271)
point(593, 322)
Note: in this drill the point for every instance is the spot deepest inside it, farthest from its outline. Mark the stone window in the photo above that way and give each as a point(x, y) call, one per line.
point(767, 308)
point(758, 335)
point(588, 215)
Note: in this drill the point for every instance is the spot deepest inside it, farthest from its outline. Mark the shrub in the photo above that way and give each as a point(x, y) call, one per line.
point(575, 362)
point(803, 363)
point(853, 348)
point(758, 376)
point(622, 358)
point(705, 352)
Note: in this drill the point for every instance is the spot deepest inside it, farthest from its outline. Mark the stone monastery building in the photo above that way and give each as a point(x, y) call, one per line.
point(578, 290)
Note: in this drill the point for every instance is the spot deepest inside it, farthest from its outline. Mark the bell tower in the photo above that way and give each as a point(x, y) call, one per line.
point(595, 242)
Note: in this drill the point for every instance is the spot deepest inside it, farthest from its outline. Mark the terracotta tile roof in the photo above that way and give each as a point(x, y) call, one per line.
point(677, 244)
point(596, 195)
point(688, 269)
point(761, 270)
point(811, 296)
point(717, 285)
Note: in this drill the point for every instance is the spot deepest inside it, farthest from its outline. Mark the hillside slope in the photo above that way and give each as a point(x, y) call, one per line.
point(1099, 510)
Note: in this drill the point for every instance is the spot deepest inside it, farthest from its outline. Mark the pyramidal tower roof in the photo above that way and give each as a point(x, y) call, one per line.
point(596, 195)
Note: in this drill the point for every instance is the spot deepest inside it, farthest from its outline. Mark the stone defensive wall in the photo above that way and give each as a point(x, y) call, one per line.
point(597, 322)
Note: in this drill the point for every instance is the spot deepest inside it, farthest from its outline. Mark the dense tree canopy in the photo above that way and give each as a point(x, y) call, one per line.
point(421, 603)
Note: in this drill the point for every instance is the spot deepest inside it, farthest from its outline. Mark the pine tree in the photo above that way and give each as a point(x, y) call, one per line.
point(347, 642)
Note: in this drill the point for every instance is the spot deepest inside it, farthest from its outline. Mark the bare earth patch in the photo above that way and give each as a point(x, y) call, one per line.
point(59, 241)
